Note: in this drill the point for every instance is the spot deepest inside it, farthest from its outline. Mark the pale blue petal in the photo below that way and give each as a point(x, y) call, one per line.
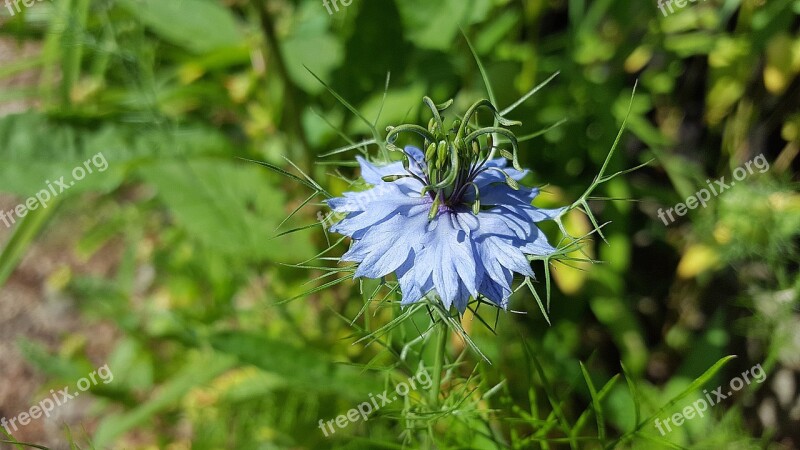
point(373, 174)
point(388, 244)
point(355, 224)
point(416, 161)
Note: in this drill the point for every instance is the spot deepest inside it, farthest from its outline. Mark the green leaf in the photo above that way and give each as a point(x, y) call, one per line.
point(200, 370)
point(538, 300)
point(434, 25)
point(301, 367)
point(637, 402)
point(601, 395)
point(22, 444)
point(693, 387)
point(231, 207)
point(321, 53)
point(30, 160)
point(26, 231)
point(552, 397)
point(596, 404)
point(197, 25)
point(399, 105)
point(53, 365)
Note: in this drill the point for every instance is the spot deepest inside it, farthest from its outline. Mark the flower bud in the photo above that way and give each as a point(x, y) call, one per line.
point(430, 153)
point(441, 154)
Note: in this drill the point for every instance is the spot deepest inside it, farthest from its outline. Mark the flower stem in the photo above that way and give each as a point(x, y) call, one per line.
point(438, 363)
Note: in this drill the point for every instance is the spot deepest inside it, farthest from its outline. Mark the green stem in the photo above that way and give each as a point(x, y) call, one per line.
point(438, 363)
point(292, 95)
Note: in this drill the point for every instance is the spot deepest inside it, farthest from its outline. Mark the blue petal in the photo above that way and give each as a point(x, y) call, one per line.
point(358, 201)
point(498, 253)
point(417, 163)
point(411, 291)
point(533, 213)
point(461, 299)
point(498, 291)
point(356, 224)
point(387, 245)
point(448, 258)
point(492, 176)
point(373, 174)
point(539, 245)
point(503, 194)
point(530, 238)
point(495, 221)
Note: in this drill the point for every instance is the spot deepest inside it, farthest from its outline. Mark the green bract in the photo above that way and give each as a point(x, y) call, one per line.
point(455, 155)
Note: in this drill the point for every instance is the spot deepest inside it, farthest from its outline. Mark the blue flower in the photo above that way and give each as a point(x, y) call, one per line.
point(463, 238)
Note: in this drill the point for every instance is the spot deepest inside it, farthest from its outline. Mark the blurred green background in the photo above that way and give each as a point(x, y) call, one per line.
point(167, 266)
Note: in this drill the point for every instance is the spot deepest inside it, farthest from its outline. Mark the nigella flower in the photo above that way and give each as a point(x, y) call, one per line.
point(451, 221)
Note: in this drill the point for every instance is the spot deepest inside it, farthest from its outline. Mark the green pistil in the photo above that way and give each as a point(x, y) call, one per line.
point(455, 156)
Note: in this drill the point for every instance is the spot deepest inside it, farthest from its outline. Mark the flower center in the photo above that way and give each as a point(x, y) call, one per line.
point(455, 156)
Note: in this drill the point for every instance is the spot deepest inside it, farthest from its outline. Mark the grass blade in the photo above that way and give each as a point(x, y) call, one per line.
point(529, 94)
point(598, 409)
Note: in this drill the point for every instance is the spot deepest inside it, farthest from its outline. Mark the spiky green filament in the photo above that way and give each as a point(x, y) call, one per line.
point(455, 156)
